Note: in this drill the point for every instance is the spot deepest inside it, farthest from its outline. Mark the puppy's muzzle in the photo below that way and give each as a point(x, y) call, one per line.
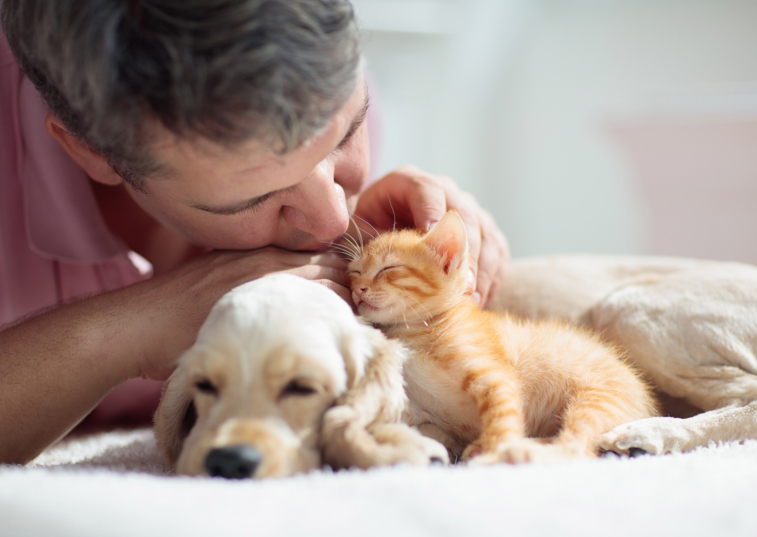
point(233, 462)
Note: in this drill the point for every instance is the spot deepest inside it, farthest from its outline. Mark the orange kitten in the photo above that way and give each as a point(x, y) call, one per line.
point(486, 385)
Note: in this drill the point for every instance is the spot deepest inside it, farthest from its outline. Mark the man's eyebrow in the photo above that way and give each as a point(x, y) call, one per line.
point(356, 122)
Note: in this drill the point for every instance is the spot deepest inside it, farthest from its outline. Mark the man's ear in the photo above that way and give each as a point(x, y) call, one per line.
point(94, 164)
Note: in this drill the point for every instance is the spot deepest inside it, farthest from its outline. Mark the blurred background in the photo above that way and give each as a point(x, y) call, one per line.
point(607, 126)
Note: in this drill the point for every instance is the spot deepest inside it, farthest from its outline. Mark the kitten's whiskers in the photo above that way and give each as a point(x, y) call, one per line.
point(344, 250)
point(427, 314)
point(356, 248)
point(376, 231)
point(394, 215)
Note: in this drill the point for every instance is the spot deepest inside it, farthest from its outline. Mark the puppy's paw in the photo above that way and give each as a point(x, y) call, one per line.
point(400, 443)
point(346, 443)
point(651, 435)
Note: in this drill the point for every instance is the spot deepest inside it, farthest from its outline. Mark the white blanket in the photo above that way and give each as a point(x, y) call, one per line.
point(115, 484)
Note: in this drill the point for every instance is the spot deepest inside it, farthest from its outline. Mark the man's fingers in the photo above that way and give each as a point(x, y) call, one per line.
point(318, 272)
point(340, 290)
point(493, 261)
point(328, 259)
point(406, 197)
point(427, 203)
point(493, 290)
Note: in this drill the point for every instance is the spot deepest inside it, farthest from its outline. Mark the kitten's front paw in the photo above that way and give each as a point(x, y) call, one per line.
point(516, 451)
point(653, 435)
point(523, 450)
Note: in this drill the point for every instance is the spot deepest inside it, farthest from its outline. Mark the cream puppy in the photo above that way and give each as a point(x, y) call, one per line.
point(273, 355)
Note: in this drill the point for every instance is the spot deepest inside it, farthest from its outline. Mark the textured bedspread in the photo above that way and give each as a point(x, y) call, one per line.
point(115, 484)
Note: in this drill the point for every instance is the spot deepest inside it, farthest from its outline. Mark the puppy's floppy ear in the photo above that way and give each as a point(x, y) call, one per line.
point(375, 395)
point(374, 372)
point(175, 416)
point(358, 346)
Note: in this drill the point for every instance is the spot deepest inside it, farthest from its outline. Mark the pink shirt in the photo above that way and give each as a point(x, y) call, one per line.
point(54, 244)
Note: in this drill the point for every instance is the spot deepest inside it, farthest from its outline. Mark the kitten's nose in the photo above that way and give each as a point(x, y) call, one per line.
point(360, 291)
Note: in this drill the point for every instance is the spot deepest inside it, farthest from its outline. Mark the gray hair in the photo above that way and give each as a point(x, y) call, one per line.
point(224, 70)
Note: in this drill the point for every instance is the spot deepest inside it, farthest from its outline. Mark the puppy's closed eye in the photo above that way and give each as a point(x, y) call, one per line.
point(298, 388)
point(207, 387)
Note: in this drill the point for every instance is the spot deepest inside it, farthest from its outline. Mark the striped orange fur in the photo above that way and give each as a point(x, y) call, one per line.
point(489, 386)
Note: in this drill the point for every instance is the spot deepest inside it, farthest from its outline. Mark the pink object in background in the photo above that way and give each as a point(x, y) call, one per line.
point(697, 172)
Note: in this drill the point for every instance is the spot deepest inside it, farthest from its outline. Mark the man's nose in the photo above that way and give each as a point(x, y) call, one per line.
point(321, 207)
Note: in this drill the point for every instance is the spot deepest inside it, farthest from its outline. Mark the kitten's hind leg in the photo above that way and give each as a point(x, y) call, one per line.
point(596, 410)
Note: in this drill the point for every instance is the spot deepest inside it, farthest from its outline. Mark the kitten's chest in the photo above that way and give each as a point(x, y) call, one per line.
point(436, 397)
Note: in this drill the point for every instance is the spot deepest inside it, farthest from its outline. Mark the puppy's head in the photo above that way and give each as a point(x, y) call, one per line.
point(246, 400)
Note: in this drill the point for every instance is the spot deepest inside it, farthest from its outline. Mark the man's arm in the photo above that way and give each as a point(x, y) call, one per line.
point(56, 367)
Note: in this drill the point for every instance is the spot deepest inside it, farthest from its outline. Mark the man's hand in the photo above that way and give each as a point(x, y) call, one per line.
point(409, 197)
point(183, 297)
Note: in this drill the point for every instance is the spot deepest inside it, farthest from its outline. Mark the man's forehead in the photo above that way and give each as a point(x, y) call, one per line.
point(173, 152)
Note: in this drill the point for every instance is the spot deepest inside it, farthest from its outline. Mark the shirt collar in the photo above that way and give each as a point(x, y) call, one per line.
point(62, 217)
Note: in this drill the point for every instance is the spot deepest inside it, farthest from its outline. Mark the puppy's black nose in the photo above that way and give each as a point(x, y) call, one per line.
point(233, 462)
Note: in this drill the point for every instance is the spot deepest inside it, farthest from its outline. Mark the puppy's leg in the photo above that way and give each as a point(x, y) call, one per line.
point(409, 444)
point(364, 429)
point(675, 435)
point(455, 446)
point(346, 442)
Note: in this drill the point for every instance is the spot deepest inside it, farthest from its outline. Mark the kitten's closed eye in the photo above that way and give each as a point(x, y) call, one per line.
point(389, 268)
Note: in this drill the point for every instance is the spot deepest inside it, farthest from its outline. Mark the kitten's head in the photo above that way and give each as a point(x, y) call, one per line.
point(406, 276)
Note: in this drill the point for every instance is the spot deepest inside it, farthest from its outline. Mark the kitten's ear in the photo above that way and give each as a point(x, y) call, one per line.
point(449, 239)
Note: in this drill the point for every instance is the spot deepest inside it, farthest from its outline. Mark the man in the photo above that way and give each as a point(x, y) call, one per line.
point(192, 146)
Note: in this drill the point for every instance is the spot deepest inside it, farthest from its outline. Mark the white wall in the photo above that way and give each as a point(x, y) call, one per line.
point(514, 99)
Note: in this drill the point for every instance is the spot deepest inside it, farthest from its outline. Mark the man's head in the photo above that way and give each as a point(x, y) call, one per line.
point(204, 106)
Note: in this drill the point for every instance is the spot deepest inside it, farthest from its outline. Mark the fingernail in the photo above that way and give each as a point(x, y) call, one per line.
point(430, 225)
point(470, 284)
point(476, 297)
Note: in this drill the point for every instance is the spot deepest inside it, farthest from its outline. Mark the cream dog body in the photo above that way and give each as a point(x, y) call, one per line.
point(272, 357)
point(689, 326)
